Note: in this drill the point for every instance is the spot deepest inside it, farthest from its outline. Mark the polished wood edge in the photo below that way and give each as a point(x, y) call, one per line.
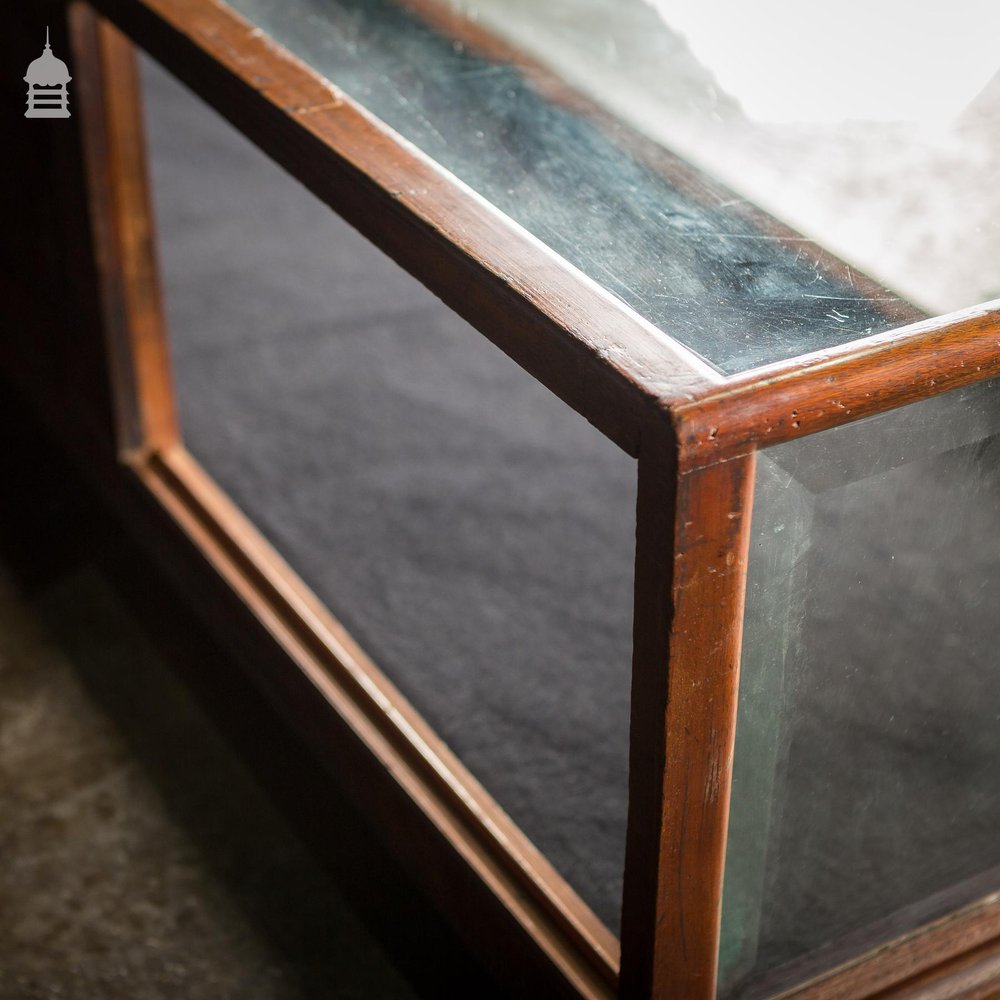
point(692, 552)
point(943, 959)
point(972, 975)
point(573, 336)
point(827, 388)
point(110, 104)
point(584, 951)
point(489, 927)
point(575, 941)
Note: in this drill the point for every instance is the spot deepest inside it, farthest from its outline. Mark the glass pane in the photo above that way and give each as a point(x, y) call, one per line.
point(866, 799)
point(888, 156)
point(675, 245)
point(474, 534)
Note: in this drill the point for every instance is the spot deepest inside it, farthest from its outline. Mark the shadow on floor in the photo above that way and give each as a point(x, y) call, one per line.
point(161, 830)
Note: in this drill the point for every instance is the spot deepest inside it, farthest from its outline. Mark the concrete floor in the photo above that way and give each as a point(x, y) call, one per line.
point(140, 858)
point(152, 840)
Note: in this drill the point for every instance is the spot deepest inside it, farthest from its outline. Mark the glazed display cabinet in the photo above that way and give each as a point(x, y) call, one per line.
point(666, 657)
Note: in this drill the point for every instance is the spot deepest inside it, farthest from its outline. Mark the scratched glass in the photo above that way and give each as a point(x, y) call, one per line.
point(877, 144)
point(866, 796)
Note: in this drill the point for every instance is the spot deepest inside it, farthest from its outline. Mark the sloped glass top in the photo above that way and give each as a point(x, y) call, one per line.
point(636, 138)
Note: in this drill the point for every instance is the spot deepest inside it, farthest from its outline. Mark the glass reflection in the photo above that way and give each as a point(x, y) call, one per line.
point(473, 533)
point(869, 128)
point(865, 792)
point(894, 70)
point(600, 189)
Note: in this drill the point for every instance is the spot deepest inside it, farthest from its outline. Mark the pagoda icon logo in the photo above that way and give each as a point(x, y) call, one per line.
point(47, 80)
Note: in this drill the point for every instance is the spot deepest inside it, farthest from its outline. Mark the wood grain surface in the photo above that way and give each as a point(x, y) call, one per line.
point(695, 435)
point(692, 537)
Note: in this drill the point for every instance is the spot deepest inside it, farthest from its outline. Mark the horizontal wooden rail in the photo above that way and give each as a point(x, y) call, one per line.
point(827, 388)
point(479, 830)
point(576, 338)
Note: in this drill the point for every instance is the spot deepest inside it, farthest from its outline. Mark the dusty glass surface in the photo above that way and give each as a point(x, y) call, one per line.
point(594, 181)
point(871, 129)
point(866, 789)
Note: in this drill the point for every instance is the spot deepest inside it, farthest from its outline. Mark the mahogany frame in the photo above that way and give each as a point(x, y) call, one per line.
point(693, 432)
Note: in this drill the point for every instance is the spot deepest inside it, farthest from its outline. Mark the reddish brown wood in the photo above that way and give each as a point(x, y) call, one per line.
point(398, 738)
point(579, 340)
point(957, 956)
point(612, 367)
point(595, 353)
point(515, 950)
point(972, 975)
point(822, 390)
point(125, 243)
point(521, 882)
point(692, 540)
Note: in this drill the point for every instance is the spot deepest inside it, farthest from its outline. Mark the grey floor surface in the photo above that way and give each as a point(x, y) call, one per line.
point(138, 857)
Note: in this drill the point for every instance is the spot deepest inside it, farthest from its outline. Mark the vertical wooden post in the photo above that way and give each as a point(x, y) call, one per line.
point(110, 104)
point(692, 539)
